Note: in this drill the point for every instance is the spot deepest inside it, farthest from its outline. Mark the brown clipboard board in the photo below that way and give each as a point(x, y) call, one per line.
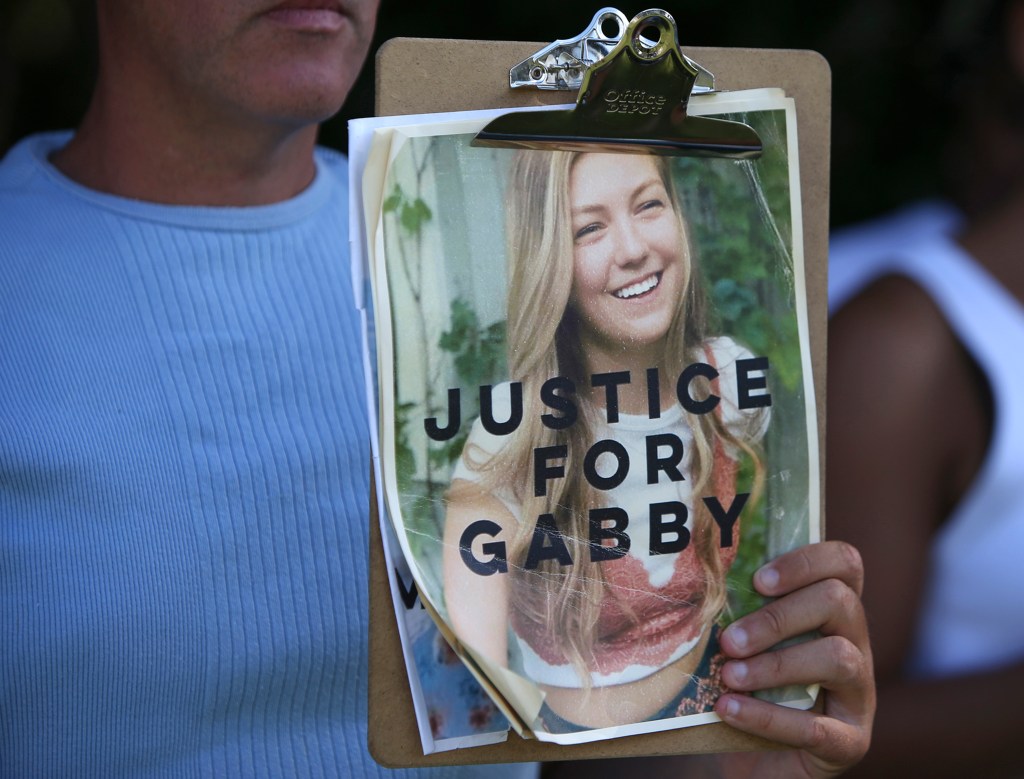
point(412, 77)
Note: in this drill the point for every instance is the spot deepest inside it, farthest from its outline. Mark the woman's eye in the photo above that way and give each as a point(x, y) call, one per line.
point(648, 205)
point(589, 229)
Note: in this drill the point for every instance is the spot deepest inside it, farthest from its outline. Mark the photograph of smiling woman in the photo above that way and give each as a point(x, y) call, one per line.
point(601, 280)
point(591, 457)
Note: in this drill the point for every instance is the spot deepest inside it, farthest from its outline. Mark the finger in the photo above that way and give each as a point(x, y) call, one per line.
point(834, 662)
point(811, 563)
point(829, 607)
point(831, 742)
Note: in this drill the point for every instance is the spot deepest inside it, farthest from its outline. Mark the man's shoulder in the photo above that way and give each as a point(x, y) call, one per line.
point(26, 162)
point(25, 193)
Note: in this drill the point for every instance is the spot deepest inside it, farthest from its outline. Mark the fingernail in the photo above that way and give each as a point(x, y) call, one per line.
point(768, 578)
point(732, 706)
point(737, 636)
point(738, 671)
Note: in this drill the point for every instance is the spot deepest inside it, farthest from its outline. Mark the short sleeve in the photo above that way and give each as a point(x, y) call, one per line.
point(747, 424)
point(482, 446)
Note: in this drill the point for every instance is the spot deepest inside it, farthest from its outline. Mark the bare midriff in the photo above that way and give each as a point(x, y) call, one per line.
point(621, 704)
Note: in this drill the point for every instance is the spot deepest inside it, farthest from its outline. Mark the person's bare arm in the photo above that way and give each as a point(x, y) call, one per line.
point(907, 430)
point(477, 604)
point(893, 447)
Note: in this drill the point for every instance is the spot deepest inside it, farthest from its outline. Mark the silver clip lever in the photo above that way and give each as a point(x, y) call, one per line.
point(562, 64)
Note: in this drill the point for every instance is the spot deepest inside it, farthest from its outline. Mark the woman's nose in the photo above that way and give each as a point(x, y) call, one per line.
point(632, 245)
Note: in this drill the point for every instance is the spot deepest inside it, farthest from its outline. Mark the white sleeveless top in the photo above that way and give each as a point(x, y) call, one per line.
point(973, 614)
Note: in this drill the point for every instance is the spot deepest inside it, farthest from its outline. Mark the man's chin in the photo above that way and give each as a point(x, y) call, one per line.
point(304, 102)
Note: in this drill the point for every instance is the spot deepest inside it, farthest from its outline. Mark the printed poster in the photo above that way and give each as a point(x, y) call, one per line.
point(595, 412)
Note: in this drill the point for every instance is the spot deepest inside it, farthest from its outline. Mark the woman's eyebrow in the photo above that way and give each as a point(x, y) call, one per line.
point(587, 208)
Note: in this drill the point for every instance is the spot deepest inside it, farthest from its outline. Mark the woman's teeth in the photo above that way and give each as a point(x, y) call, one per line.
point(639, 288)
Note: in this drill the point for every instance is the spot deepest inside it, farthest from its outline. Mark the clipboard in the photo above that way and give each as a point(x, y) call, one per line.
point(410, 80)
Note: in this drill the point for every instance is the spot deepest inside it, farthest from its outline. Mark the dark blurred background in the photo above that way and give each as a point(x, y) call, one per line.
point(895, 69)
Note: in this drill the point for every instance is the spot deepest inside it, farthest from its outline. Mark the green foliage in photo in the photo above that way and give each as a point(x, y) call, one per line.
point(478, 356)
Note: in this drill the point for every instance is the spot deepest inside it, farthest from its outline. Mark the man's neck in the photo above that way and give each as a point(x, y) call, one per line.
point(134, 155)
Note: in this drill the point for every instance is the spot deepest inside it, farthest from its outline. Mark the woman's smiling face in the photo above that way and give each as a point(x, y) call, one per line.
point(629, 254)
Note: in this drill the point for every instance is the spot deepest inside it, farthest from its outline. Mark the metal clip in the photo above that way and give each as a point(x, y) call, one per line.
point(634, 99)
point(562, 64)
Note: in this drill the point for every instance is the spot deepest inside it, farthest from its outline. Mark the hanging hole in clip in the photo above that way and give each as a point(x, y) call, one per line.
point(610, 26)
point(649, 39)
point(537, 73)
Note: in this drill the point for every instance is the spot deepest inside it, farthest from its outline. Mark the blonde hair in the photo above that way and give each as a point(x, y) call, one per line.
point(543, 343)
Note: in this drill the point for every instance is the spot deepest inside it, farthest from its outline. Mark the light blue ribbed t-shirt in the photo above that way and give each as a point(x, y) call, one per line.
point(183, 485)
